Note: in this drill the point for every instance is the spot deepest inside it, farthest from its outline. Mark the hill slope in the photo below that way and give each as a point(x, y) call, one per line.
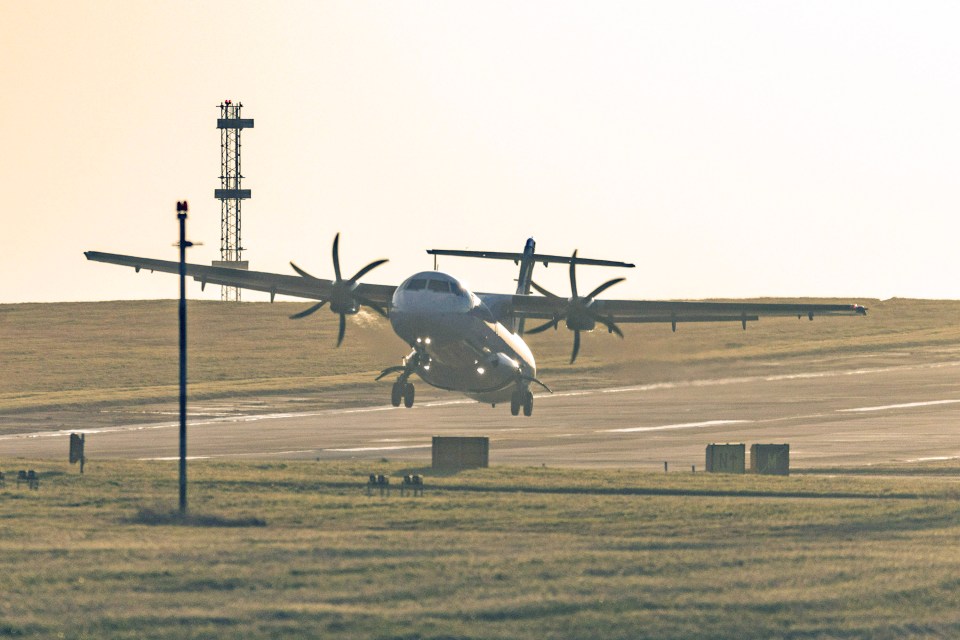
point(75, 355)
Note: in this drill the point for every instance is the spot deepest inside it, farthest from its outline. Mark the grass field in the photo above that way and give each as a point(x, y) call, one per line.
point(299, 550)
point(88, 355)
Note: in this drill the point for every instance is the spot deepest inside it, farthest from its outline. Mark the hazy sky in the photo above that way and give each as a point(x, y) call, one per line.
point(727, 148)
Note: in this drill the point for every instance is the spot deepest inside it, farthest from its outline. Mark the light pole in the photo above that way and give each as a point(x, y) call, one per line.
point(184, 243)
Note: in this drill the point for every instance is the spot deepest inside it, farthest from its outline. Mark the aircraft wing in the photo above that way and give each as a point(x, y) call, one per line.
point(672, 312)
point(272, 283)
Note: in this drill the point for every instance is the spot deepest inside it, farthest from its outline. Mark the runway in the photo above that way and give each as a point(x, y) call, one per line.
point(853, 415)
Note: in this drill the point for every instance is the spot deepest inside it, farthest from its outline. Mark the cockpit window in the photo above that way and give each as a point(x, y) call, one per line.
point(437, 286)
point(416, 284)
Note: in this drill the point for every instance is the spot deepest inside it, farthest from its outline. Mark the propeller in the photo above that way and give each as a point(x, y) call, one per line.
point(343, 298)
point(578, 312)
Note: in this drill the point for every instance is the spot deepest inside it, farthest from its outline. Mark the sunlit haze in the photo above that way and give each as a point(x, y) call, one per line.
point(729, 149)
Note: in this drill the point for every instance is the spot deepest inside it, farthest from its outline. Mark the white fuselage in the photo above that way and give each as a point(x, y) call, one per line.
point(461, 346)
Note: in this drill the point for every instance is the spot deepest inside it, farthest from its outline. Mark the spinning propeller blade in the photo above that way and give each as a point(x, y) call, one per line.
point(304, 314)
point(342, 298)
point(578, 312)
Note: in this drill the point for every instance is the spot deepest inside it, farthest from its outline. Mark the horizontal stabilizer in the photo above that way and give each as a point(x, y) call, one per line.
point(537, 257)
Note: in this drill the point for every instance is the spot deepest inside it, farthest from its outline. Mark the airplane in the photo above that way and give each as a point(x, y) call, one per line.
point(472, 343)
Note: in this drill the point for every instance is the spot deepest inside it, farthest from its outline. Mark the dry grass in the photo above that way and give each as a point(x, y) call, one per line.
point(84, 355)
point(498, 553)
point(298, 549)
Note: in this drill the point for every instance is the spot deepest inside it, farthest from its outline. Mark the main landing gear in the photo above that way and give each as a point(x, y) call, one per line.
point(402, 391)
point(521, 398)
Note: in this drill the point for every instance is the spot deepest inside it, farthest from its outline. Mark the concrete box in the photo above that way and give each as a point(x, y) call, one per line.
point(456, 454)
point(772, 459)
point(726, 458)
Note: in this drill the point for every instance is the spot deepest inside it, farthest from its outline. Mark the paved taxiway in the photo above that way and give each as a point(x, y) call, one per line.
point(849, 415)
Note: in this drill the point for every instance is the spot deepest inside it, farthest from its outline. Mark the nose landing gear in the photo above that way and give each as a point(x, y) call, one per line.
point(402, 391)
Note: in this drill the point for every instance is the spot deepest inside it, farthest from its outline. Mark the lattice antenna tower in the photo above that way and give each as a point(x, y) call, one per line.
point(231, 194)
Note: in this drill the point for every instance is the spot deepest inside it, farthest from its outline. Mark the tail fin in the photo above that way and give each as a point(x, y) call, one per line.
point(524, 279)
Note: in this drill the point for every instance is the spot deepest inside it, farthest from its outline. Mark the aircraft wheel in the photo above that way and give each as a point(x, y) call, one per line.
point(528, 404)
point(408, 394)
point(515, 403)
point(396, 394)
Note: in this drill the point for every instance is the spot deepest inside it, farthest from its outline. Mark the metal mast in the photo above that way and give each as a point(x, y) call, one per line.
point(230, 192)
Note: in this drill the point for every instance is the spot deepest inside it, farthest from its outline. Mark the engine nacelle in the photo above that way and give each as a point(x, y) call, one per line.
point(346, 307)
point(580, 323)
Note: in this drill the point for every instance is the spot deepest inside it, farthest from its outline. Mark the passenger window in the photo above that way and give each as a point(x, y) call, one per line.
point(416, 284)
point(440, 286)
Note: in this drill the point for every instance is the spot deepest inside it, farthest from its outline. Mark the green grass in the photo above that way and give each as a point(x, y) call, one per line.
point(88, 355)
point(299, 550)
